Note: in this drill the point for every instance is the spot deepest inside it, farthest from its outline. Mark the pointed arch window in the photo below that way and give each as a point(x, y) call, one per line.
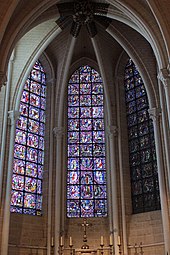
point(142, 154)
point(86, 174)
point(26, 194)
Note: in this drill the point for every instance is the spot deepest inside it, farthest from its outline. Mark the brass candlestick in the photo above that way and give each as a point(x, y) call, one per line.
point(111, 249)
point(61, 249)
point(136, 253)
point(71, 249)
point(101, 245)
point(141, 248)
point(85, 225)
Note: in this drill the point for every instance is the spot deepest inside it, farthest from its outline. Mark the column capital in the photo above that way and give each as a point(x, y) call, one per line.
point(164, 76)
point(154, 113)
point(3, 79)
point(58, 132)
point(13, 116)
point(112, 130)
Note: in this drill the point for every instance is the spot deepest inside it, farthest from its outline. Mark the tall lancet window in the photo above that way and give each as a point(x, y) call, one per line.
point(86, 175)
point(143, 166)
point(26, 195)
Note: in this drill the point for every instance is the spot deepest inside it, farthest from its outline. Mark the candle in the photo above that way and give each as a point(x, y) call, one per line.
point(111, 239)
point(61, 241)
point(101, 242)
point(71, 243)
point(118, 240)
point(52, 241)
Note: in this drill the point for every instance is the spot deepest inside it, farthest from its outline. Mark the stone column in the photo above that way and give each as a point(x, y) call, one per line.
point(165, 130)
point(5, 119)
point(13, 116)
point(58, 132)
point(50, 239)
point(164, 76)
point(155, 116)
point(119, 81)
point(112, 133)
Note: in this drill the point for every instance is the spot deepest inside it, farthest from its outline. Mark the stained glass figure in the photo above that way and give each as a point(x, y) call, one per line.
point(86, 174)
point(26, 195)
point(144, 176)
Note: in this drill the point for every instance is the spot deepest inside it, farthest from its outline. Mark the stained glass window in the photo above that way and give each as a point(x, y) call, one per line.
point(86, 175)
point(26, 194)
point(143, 166)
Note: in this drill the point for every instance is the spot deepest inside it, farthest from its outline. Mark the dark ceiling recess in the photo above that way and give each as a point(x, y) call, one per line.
point(83, 13)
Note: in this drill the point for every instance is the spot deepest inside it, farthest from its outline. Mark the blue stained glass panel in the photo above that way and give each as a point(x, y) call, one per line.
point(85, 100)
point(86, 163)
point(24, 109)
point(73, 191)
point(73, 125)
point(73, 100)
point(86, 137)
point(100, 177)
point(36, 75)
point(85, 112)
point(86, 124)
point(31, 169)
point(86, 175)
point(20, 137)
point(87, 191)
point(19, 166)
point(35, 87)
point(19, 151)
point(30, 184)
point(34, 100)
point(73, 112)
point(26, 194)
point(73, 164)
point(34, 113)
point(99, 163)
point(73, 177)
point(17, 182)
point(25, 97)
point(86, 178)
point(16, 198)
point(97, 112)
point(85, 88)
point(29, 200)
point(73, 89)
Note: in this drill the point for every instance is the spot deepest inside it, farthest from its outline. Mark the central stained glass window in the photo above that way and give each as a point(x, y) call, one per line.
point(26, 194)
point(86, 175)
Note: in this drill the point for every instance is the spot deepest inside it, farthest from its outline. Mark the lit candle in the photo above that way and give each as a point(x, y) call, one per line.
point(61, 241)
point(101, 241)
point(118, 240)
point(52, 241)
point(111, 239)
point(71, 243)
